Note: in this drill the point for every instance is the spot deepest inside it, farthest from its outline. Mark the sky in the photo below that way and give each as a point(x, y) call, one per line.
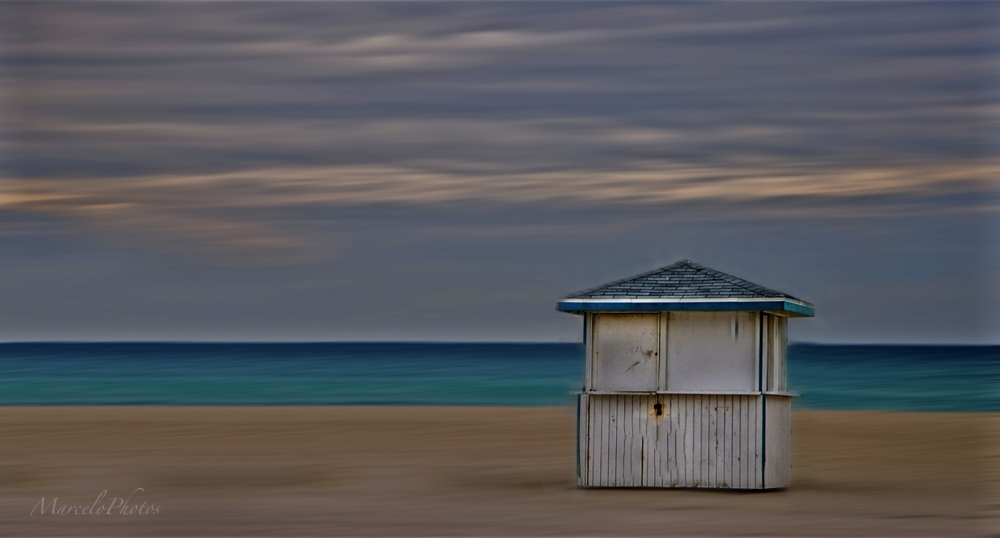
point(447, 171)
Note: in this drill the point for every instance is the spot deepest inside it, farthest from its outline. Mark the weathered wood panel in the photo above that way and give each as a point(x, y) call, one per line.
point(712, 351)
point(692, 440)
point(758, 448)
point(777, 442)
point(649, 434)
point(708, 442)
point(664, 339)
point(774, 350)
point(626, 352)
point(780, 345)
point(583, 420)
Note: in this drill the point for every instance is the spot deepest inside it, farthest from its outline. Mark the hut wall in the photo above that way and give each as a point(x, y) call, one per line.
point(625, 352)
point(774, 348)
point(714, 351)
point(692, 441)
point(676, 351)
point(778, 441)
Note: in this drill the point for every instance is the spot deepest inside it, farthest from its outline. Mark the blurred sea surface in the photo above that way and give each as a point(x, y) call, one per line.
point(877, 377)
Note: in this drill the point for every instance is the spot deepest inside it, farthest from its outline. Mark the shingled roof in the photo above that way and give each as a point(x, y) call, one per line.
point(684, 285)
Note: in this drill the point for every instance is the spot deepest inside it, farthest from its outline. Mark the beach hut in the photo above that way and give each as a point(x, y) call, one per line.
point(684, 381)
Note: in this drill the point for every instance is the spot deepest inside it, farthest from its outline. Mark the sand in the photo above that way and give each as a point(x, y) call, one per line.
point(420, 471)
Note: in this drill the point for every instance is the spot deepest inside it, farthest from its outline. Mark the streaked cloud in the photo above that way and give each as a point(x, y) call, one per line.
point(821, 186)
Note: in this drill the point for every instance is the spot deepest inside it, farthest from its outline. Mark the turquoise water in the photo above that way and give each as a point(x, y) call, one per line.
point(912, 378)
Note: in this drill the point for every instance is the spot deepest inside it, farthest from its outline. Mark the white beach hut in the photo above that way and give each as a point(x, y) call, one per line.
point(685, 381)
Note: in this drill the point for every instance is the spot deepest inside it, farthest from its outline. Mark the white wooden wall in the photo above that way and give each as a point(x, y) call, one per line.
point(714, 351)
point(700, 438)
point(775, 330)
point(698, 441)
point(676, 351)
point(778, 441)
point(626, 352)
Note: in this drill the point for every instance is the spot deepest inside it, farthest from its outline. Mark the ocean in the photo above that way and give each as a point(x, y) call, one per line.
point(902, 378)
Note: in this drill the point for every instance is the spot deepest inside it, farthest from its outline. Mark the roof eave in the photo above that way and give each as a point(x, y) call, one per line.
point(785, 305)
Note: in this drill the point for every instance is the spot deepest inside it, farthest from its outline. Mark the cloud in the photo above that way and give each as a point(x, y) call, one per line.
point(210, 125)
point(220, 207)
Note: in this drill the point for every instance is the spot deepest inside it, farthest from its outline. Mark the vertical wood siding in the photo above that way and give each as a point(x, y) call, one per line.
point(778, 442)
point(698, 441)
point(582, 434)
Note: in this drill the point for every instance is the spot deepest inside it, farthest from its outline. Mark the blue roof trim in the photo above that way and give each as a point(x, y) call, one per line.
point(800, 309)
point(580, 306)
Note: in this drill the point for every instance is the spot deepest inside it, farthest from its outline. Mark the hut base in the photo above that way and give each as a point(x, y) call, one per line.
point(684, 440)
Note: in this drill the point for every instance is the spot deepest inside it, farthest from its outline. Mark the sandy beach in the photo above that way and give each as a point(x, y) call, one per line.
point(422, 471)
